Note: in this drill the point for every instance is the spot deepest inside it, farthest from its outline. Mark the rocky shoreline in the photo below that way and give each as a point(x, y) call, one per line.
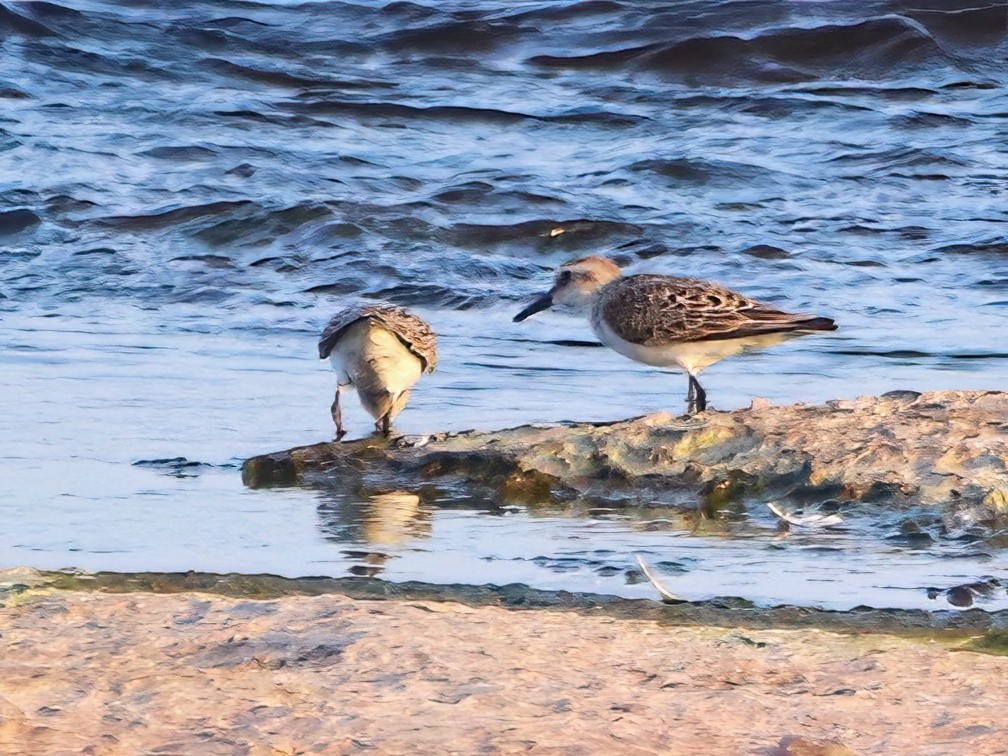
point(947, 448)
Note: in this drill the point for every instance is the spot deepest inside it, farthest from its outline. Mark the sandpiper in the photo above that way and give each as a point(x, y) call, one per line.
point(381, 350)
point(667, 321)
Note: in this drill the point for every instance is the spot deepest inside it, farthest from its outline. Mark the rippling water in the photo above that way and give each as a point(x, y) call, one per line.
point(188, 191)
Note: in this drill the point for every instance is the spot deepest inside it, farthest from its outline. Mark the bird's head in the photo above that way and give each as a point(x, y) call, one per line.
point(575, 283)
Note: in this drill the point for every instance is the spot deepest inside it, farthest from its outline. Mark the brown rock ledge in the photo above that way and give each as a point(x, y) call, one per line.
point(938, 448)
point(193, 672)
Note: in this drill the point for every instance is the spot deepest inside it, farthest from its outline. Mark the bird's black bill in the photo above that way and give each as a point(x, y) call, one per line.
point(543, 303)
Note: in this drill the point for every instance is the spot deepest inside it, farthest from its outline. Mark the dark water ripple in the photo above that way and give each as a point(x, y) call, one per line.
point(232, 170)
point(237, 129)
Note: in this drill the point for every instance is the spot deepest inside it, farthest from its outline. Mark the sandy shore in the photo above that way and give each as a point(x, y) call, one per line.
point(88, 672)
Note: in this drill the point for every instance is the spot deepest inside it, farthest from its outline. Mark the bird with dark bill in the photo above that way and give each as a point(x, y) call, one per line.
point(381, 350)
point(667, 321)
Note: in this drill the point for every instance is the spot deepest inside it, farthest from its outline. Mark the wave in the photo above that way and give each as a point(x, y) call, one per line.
point(13, 93)
point(12, 23)
point(211, 261)
point(228, 223)
point(963, 23)
point(880, 161)
point(8, 142)
point(995, 247)
point(176, 216)
point(65, 57)
point(455, 36)
point(578, 11)
point(184, 153)
point(876, 47)
point(459, 113)
point(923, 120)
point(487, 195)
point(701, 171)
point(15, 221)
point(562, 233)
point(286, 79)
point(289, 151)
point(272, 118)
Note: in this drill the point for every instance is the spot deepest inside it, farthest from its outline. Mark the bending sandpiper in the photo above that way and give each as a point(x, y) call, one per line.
point(381, 350)
point(667, 321)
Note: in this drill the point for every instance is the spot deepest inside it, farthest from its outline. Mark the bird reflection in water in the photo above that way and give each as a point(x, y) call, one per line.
point(391, 520)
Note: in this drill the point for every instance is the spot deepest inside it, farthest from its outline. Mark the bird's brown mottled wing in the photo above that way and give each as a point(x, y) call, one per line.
point(653, 310)
point(335, 329)
point(413, 332)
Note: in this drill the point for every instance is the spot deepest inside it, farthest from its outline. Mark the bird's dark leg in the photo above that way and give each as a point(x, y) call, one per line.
point(386, 425)
point(337, 415)
point(699, 403)
point(690, 395)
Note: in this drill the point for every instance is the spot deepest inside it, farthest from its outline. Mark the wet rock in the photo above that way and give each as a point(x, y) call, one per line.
point(964, 595)
point(986, 587)
point(960, 596)
point(932, 449)
point(180, 467)
point(912, 535)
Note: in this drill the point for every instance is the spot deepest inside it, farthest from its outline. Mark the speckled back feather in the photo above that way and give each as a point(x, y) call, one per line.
point(413, 332)
point(653, 310)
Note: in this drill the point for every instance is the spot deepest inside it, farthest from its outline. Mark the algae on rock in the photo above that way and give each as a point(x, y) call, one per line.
point(938, 448)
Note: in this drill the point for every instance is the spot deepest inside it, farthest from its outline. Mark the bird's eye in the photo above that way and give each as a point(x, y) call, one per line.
point(564, 277)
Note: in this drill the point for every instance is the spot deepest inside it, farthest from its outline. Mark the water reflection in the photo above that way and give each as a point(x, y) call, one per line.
point(392, 520)
point(740, 551)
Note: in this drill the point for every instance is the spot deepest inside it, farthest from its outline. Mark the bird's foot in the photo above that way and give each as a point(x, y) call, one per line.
point(339, 436)
point(692, 419)
point(696, 407)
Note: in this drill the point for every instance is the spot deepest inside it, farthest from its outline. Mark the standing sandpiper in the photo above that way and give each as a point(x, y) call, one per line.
point(382, 350)
point(670, 322)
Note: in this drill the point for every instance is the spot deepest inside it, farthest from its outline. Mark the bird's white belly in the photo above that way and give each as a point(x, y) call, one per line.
point(376, 362)
point(690, 356)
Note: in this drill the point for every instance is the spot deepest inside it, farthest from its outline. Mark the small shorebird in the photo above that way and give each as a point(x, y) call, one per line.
point(667, 321)
point(381, 350)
